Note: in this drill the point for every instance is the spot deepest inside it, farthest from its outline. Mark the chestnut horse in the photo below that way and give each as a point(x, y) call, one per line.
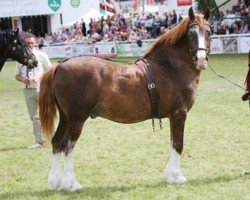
point(12, 46)
point(88, 86)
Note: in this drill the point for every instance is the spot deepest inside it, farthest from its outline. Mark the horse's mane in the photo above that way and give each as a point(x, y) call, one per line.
point(6, 33)
point(172, 36)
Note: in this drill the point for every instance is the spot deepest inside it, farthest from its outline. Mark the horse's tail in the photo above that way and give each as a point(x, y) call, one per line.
point(47, 102)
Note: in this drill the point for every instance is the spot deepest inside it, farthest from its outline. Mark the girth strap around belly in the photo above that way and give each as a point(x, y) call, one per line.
point(152, 91)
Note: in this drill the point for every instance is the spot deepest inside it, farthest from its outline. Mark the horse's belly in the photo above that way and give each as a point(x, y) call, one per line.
point(124, 110)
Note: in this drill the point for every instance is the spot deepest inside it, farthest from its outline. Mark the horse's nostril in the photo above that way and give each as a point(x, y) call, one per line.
point(196, 58)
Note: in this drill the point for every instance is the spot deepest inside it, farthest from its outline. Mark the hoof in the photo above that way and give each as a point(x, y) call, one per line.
point(176, 178)
point(76, 187)
point(69, 183)
point(70, 186)
point(55, 181)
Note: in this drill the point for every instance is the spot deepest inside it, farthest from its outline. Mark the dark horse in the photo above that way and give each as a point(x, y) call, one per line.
point(88, 86)
point(12, 46)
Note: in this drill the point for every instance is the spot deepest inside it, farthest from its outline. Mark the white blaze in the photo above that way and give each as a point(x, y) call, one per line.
point(201, 54)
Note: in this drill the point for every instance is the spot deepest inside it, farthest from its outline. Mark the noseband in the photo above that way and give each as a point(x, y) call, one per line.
point(195, 50)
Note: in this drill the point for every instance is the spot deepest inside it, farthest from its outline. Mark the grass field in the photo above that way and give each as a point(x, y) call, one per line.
point(116, 161)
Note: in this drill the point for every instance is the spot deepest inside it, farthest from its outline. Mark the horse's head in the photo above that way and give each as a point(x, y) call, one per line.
point(17, 50)
point(199, 37)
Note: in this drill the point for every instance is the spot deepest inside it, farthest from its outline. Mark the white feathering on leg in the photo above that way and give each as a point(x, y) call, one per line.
point(173, 168)
point(55, 175)
point(69, 182)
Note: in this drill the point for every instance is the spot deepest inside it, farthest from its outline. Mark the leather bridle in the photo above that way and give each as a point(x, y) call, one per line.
point(12, 45)
point(195, 50)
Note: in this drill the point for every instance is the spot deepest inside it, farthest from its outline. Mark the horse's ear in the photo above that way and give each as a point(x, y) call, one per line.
point(191, 14)
point(207, 13)
point(16, 33)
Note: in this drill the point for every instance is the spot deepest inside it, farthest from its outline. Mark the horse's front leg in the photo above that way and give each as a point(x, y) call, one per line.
point(177, 123)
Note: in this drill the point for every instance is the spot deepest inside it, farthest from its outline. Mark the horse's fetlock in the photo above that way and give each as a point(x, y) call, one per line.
point(178, 146)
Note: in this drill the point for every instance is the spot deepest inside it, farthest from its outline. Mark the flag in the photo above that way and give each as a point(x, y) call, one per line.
point(136, 4)
point(106, 6)
point(184, 2)
point(151, 2)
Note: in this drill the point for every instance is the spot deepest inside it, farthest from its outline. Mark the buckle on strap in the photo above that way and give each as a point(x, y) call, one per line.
point(152, 92)
point(151, 86)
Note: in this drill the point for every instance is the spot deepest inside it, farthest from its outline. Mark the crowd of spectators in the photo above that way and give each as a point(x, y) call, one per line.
point(145, 26)
point(114, 28)
point(234, 21)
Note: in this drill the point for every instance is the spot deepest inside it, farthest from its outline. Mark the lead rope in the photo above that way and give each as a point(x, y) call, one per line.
point(220, 76)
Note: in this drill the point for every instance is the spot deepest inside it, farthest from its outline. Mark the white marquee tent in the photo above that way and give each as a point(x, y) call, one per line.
point(92, 13)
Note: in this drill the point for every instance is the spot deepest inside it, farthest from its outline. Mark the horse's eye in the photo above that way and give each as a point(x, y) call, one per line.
point(208, 33)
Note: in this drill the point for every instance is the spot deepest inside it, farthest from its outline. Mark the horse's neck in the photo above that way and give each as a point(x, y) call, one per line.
point(177, 57)
point(176, 64)
point(3, 41)
point(3, 47)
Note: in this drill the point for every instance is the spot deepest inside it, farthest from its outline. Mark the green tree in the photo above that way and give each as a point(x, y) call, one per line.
point(202, 4)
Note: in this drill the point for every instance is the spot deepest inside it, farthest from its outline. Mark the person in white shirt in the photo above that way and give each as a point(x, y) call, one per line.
point(31, 80)
point(229, 19)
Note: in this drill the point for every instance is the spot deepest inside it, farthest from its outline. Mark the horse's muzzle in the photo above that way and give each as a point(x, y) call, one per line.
point(201, 64)
point(201, 60)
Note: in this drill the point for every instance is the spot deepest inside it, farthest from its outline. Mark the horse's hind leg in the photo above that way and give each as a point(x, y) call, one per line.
point(55, 174)
point(73, 131)
point(177, 123)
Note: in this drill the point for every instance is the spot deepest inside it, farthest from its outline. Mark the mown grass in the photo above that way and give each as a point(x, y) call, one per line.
point(116, 161)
